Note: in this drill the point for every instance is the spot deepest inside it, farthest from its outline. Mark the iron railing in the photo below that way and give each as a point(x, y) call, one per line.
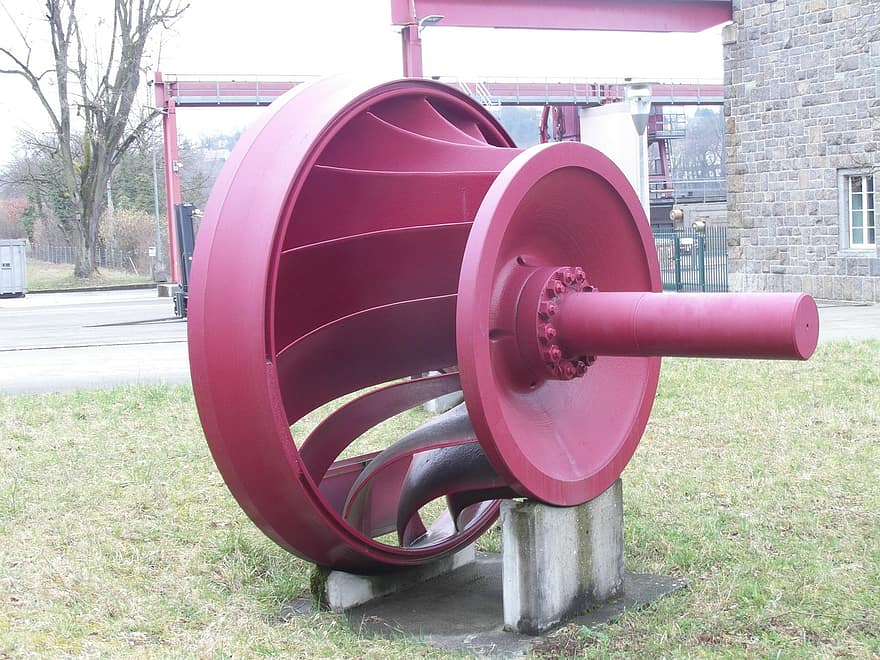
point(692, 260)
point(689, 191)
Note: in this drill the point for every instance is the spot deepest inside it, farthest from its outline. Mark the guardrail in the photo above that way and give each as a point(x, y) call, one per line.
point(689, 190)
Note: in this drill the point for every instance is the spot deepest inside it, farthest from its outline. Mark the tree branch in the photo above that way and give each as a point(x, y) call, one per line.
point(34, 80)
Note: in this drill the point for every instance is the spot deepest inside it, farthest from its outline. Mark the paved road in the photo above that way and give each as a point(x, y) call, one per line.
point(841, 320)
point(65, 341)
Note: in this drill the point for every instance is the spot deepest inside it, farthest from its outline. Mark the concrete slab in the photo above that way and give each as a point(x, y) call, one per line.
point(54, 342)
point(462, 611)
point(840, 321)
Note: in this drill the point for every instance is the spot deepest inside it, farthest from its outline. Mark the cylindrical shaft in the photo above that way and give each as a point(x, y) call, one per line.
point(755, 325)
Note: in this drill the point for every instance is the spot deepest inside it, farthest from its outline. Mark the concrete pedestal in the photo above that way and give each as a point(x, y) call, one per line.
point(339, 591)
point(559, 561)
point(559, 565)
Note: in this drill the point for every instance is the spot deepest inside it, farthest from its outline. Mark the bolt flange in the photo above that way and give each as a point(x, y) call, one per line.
point(557, 364)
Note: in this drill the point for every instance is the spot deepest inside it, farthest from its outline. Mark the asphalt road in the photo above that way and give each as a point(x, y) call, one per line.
point(53, 342)
point(64, 341)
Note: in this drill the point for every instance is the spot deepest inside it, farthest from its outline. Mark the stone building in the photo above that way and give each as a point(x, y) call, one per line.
point(802, 135)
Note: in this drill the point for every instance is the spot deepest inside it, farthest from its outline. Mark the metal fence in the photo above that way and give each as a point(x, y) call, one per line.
point(105, 257)
point(693, 260)
point(688, 191)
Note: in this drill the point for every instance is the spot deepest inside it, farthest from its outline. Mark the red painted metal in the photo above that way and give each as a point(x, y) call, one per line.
point(559, 223)
point(359, 235)
point(165, 101)
point(411, 43)
point(624, 15)
point(760, 325)
point(207, 93)
point(327, 262)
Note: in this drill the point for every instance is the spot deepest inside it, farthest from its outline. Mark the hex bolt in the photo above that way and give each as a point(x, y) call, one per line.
point(546, 333)
point(554, 288)
point(552, 354)
point(566, 371)
point(547, 309)
point(580, 367)
point(568, 277)
point(580, 276)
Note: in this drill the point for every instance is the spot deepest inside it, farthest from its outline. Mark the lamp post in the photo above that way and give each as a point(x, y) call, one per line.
point(638, 96)
point(412, 45)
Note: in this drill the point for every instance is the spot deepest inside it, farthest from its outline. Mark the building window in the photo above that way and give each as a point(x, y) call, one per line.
point(862, 218)
point(858, 217)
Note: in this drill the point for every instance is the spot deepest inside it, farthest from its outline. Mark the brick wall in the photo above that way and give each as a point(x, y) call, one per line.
point(803, 103)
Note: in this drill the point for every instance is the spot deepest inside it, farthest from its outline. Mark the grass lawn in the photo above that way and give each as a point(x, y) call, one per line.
point(757, 481)
point(45, 276)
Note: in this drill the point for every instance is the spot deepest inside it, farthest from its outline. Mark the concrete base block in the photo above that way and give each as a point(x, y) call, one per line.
point(339, 591)
point(558, 561)
point(461, 611)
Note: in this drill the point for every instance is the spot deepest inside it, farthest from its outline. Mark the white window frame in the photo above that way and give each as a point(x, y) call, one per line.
point(868, 211)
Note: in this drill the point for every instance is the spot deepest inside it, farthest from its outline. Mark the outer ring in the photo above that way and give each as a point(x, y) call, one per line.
point(547, 441)
point(231, 344)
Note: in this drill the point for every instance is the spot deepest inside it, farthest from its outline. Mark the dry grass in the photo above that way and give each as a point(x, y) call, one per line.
point(45, 276)
point(758, 481)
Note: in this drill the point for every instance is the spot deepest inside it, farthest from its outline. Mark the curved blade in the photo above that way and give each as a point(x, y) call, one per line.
point(461, 471)
point(372, 503)
point(344, 425)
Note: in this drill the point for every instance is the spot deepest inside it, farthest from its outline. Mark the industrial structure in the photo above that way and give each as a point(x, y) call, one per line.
point(369, 248)
point(526, 278)
point(564, 97)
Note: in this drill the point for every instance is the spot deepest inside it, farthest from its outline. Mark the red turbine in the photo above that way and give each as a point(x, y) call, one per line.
point(360, 235)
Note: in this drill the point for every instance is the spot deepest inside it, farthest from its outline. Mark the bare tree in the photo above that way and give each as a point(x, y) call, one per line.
point(701, 154)
point(89, 95)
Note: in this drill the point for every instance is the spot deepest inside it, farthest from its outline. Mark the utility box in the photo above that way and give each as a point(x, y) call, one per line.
point(13, 267)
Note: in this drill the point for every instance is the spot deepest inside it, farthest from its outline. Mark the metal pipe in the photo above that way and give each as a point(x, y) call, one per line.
point(721, 325)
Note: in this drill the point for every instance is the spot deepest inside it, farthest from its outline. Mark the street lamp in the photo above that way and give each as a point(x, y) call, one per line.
point(638, 96)
point(433, 19)
point(412, 44)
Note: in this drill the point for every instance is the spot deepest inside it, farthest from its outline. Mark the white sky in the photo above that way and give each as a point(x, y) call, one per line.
point(263, 37)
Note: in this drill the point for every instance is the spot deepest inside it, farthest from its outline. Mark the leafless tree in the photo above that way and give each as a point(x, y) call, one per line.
point(701, 154)
point(88, 94)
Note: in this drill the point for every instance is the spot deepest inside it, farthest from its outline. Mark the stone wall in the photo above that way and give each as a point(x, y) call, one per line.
point(802, 82)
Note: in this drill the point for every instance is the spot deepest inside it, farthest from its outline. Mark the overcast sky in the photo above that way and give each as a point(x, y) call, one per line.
point(263, 37)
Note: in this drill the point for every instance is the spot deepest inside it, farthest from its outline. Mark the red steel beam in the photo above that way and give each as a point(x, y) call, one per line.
point(244, 93)
point(623, 15)
point(165, 101)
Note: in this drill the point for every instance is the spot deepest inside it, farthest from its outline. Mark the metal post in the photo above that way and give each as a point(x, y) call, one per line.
point(638, 95)
point(644, 192)
point(411, 36)
point(160, 265)
point(172, 168)
point(412, 51)
point(700, 244)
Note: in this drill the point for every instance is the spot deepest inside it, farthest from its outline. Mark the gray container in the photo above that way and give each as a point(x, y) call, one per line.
point(13, 267)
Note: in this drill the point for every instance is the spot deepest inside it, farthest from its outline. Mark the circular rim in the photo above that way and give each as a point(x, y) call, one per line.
point(231, 342)
point(536, 434)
